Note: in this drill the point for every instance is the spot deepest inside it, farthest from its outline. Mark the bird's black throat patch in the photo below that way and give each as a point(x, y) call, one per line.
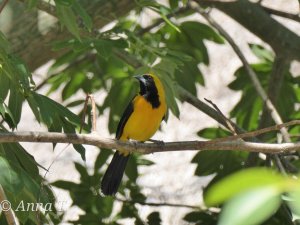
point(150, 93)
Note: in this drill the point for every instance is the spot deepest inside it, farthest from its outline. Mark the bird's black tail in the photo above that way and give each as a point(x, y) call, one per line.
point(114, 173)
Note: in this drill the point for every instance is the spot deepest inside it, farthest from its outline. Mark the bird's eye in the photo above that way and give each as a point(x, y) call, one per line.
point(147, 77)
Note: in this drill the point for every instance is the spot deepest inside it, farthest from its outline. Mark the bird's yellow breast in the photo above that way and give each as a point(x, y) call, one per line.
point(144, 120)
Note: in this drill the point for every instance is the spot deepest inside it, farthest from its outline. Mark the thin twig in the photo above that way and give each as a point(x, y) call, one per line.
point(6, 208)
point(158, 204)
point(160, 21)
point(84, 113)
point(94, 120)
point(3, 5)
point(260, 131)
point(261, 92)
point(186, 96)
point(279, 68)
point(227, 121)
point(88, 98)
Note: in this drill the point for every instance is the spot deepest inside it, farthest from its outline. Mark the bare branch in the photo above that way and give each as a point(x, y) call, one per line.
point(6, 208)
point(3, 5)
point(229, 123)
point(280, 66)
point(159, 204)
point(145, 148)
point(94, 121)
point(275, 12)
point(255, 19)
point(45, 6)
point(186, 96)
point(261, 92)
point(260, 131)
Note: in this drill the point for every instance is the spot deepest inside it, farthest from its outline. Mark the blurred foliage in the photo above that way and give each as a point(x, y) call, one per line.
point(96, 59)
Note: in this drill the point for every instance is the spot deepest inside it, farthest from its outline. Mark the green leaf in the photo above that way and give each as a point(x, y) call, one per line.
point(103, 47)
point(8, 116)
point(5, 83)
point(101, 159)
point(225, 162)
point(31, 3)
point(200, 218)
point(82, 171)
point(87, 20)
point(154, 218)
point(81, 150)
point(144, 162)
point(261, 52)
point(165, 18)
point(173, 4)
point(73, 85)
point(23, 158)
point(105, 207)
point(9, 179)
point(294, 202)
point(15, 105)
point(65, 2)
point(251, 207)
point(247, 180)
point(197, 31)
point(212, 133)
point(67, 18)
point(131, 168)
point(66, 185)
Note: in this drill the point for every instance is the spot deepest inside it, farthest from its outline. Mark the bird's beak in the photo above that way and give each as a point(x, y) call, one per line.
point(140, 78)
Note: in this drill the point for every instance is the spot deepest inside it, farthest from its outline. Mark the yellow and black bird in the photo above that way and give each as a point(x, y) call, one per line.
point(140, 120)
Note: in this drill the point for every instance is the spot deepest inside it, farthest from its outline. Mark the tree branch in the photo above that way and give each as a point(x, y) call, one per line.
point(186, 96)
point(275, 12)
point(45, 7)
point(261, 92)
point(255, 19)
point(280, 66)
point(145, 148)
point(28, 39)
point(3, 5)
point(6, 208)
point(159, 204)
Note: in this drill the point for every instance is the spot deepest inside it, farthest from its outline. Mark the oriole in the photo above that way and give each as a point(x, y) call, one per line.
point(140, 120)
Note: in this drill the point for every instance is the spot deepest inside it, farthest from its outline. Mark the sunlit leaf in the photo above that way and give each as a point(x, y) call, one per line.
point(246, 180)
point(251, 207)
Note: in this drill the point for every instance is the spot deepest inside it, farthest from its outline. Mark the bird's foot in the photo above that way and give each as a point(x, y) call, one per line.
point(158, 142)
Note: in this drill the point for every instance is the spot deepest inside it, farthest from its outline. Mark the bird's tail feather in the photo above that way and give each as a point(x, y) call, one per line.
point(114, 173)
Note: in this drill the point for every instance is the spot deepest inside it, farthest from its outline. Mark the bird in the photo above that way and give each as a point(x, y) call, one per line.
point(139, 122)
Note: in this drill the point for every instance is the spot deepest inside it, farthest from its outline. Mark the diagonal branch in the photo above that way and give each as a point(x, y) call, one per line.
point(261, 92)
point(145, 148)
point(45, 6)
point(275, 12)
point(3, 5)
point(6, 208)
point(255, 19)
point(280, 65)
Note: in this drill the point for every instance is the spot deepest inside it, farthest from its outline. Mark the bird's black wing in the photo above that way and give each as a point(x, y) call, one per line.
point(126, 114)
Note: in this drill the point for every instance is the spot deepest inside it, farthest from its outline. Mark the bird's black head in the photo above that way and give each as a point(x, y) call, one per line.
point(148, 89)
